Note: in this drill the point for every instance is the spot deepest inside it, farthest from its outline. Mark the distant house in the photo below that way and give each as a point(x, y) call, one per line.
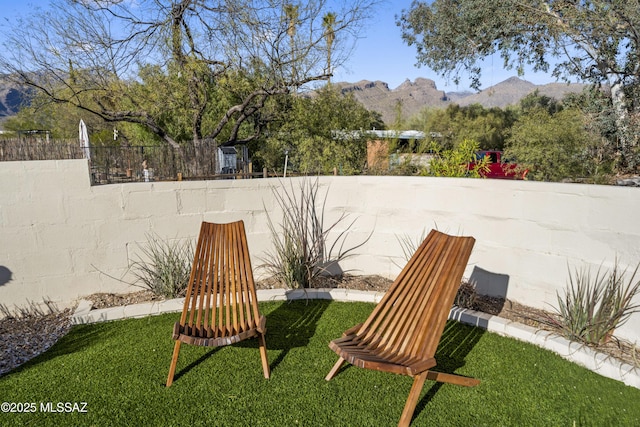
point(380, 159)
point(227, 160)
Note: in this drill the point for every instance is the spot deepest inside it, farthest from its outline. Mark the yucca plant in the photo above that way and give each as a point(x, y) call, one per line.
point(594, 306)
point(164, 267)
point(301, 250)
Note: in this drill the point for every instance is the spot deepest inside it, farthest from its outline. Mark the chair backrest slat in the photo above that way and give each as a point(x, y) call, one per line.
point(204, 282)
point(238, 288)
point(403, 331)
point(228, 270)
point(248, 285)
point(410, 318)
point(211, 277)
point(221, 298)
point(383, 314)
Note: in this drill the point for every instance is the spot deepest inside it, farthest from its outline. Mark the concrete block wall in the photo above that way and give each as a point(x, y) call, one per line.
point(62, 239)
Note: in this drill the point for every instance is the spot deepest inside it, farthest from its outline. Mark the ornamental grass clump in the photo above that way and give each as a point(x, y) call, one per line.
point(164, 267)
point(594, 306)
point(301, 241)
point(409, 246)
point(30, 311)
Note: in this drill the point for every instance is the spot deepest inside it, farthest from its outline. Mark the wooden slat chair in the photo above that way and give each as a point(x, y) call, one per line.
point(402, 333)
point(220, 307)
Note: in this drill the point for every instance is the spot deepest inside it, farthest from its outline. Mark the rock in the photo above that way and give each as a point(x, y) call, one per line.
point(629, 182)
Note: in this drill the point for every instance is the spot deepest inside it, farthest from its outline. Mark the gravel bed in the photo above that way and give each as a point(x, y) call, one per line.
point(26, 337)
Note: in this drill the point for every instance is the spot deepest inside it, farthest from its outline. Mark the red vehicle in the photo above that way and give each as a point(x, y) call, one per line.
point(499, 167)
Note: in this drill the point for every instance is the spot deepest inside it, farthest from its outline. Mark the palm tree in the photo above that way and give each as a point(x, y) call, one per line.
point(291, 14)
point(328, 22)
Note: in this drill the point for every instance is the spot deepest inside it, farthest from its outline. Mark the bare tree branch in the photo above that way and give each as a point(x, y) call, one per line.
point(183, 69)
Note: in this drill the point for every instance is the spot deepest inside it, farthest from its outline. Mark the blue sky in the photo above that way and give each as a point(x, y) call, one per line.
point(380, 53)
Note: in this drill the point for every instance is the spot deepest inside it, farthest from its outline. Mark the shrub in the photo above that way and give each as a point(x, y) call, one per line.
point(593, 306)
point(552, 146)
point(164, 267)
point(301, 251)
point(455, 162)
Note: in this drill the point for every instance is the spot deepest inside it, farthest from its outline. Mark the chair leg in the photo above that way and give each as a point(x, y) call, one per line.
point(452, 379)
point(412, 399)
point(263, 355)
point(335, 369)
point(174, 362)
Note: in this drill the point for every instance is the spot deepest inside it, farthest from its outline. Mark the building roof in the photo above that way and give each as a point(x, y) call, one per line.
point(385, 134)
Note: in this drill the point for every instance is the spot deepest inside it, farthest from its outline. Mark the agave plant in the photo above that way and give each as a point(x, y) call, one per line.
point(594, 306)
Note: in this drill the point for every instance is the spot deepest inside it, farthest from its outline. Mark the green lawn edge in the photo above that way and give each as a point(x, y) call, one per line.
point(115, 372)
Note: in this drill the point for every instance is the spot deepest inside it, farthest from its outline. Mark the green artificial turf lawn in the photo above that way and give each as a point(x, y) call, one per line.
point(119, 369)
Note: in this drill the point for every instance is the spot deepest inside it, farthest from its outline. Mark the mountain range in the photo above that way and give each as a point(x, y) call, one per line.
point(413, 96)
point(11, 98)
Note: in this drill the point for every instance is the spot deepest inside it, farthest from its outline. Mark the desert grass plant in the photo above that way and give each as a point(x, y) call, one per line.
point(594, 306)
point(409, 246)
point(31, 311)
point(301, 248)
point(164, 266)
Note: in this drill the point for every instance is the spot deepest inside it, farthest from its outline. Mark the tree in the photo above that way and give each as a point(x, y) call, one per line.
point(320, 133)
point(534, 101)
point(185, 70)
point(291, 15)
point(489, 127)
point(552, 147)
point(594, 40)
point(61, 120)
point(328, 21)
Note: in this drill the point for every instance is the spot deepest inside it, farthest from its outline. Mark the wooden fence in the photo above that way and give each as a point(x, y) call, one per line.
point(113, 164)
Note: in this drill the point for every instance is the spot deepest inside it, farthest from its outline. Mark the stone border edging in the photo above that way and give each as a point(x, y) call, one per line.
point(580, 354)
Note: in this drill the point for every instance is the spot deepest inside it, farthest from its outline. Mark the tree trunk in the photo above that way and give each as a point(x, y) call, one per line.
point(619, 102)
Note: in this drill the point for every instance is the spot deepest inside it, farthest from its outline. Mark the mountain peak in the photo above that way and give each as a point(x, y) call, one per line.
point(419, 82)
point(414, 96)
point(515, 80)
